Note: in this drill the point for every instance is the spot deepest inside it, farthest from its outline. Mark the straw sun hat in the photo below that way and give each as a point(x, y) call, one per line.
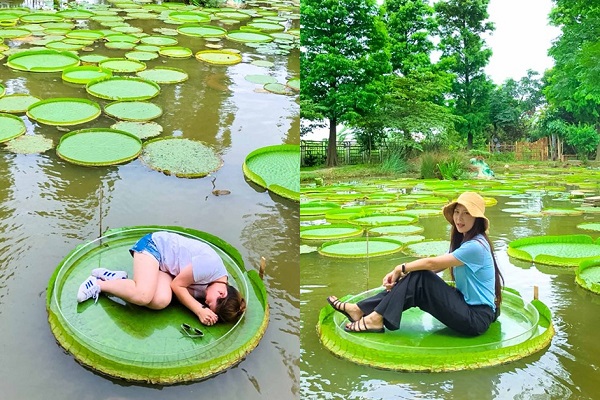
point(473, 202)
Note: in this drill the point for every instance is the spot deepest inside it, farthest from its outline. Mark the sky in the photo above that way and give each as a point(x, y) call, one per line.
point(521, 39)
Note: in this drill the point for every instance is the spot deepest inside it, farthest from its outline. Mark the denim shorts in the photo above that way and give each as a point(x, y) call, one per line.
point(146, 245)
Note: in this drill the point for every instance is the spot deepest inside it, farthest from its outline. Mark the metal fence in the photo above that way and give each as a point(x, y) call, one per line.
point(313, 152)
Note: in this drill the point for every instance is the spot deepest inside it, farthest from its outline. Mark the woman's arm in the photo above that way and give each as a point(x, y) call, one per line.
point(436, 264)
point(180, 285)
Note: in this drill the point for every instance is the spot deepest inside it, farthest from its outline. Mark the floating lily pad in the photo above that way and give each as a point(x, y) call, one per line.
point(164, 75)
point(382, 219)
point(267, 26)
point(424, 344)
point(219, 57)
point(122, 37)
point(143, 130)
point(175, 52)
point(423, 212)
point(133, 110)
point(275, 168)
point(249, 37)
point(10, 127)
point(77, 13)
point(428, 248)
point(98, 147)
point(562, 250)
point(141, 345)
point(201, 30)
point(263, 63)
point(294, 84)
point(278, 88)
point(120, 45)
point(12, 33)
point(329, 232)
point(42, 60)
point(180, 157)
point(64, 111)
point(123, 88)
point(17, 103)
point(588, 275)
point(141, 55)
point(239, 16)
point(159, 40)
point(122, 65)
point(260, 79)
point(397, 230)
point(85, 34)
point(93, 58)
point(84, 74)
point(315, 208)
point(29, 144)
point(38, 17)
point(359, 248)
point(189, 16)
point(590, 226)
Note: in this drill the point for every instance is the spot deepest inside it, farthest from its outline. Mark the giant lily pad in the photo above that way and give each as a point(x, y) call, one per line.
point(180, 157)
point(143, 130)
point(359, 248)
point(588, 275)
point(123, 88)
point(382, 219)
point(275, 168)
point(84, 74)
point(122, 65)
point(428, 248)
point(12, 33)
point(64, 111)
point(249, 37)
point(189, 16)
point(175, 52)
point(164, 75)
point(133, 110)
point(562, 250)
point(201, 30)
point(38, 17)
point(159, 40)
point(29, 144)
point(42, 60)
point(141, 345)
point(329, 232)
point(17, 103)
point(219, 57)
point(11, 127)
point(424, 344)
point(98, 147)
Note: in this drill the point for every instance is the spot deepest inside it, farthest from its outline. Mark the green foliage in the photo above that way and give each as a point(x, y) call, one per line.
point(452, 168)
point(395, 160)
point(343, 62)
point(462, 26)
point(429, 162)
point(584, 138)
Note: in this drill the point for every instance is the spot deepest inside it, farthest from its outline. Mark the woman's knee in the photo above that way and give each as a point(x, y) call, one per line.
point(160, 301)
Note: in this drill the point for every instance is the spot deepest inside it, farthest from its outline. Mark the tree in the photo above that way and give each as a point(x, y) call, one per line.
point(573, 89)
point(342, 63)
point(461, 25)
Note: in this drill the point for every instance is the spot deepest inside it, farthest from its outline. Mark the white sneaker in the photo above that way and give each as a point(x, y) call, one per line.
point(108, 275)
point(88, 289)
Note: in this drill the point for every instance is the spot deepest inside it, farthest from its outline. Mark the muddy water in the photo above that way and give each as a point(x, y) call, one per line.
point(48, 206)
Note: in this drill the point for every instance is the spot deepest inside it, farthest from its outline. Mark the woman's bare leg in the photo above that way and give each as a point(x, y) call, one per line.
point(164, 294)
point(142, 288)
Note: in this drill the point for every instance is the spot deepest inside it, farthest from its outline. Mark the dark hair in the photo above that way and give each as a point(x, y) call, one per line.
point(457, 238)
point(231, 307)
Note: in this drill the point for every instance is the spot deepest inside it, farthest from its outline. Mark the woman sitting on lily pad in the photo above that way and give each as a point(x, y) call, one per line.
point(468, 308)
point(165, 263)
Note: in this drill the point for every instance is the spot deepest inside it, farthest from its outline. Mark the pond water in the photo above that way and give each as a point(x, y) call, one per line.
point(48, 207)
point(566, 369)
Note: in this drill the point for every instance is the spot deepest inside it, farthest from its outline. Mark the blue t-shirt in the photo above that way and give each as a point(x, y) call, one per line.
point(476, 277)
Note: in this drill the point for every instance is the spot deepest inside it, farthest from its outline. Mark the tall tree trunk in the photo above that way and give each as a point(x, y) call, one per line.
point(332, 145)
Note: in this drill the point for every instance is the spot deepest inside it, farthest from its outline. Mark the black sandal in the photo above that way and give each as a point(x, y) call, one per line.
point(339, 306)
point(356, 324)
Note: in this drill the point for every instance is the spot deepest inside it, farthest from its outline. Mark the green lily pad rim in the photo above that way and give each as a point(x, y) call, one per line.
point(513, 249)
point(179, 174)
point(21, 132)
point(411, 219)
point(277, 189)
point(14, 57)
point(132, 118)
point(245, 36)
point(90, 85)
point(96, 164)
point(382, 239)
point(305, 235)
point(65, 100)
point(579, 279)
point(425, 362)
point(140, 65)
point(218, 31)
point(175, 52)
point(160, 68)
point(164, 376)
point(236, 57)
point(79, 68)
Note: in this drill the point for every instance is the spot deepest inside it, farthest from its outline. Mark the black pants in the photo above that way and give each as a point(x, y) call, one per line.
point(429, 292)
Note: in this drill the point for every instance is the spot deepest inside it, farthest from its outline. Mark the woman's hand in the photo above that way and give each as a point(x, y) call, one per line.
point(392, 277)
point(207, 316)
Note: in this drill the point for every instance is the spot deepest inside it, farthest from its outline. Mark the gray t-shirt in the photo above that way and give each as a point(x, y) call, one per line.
point(177, 252)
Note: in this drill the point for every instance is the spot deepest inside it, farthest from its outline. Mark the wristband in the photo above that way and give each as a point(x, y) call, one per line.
point(403, 268)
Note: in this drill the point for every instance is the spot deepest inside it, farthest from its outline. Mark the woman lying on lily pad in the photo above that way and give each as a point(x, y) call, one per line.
point(165, 263)
point(468, 308)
